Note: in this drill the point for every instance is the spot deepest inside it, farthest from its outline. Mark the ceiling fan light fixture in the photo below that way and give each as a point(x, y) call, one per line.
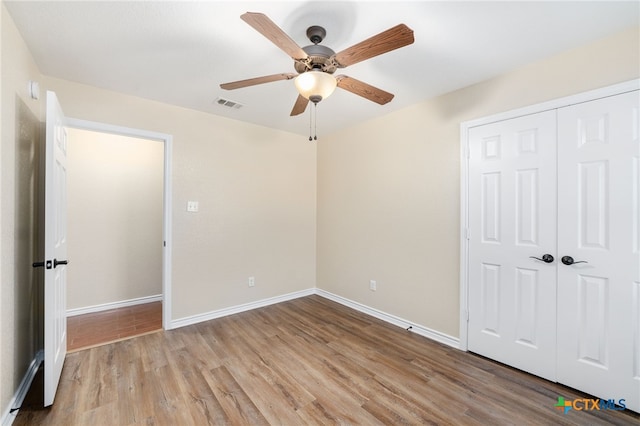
point(315, 85)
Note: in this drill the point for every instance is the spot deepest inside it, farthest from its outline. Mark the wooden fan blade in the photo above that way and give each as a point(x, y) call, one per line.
point(265, 26)
point(365, 90)
point(258, 80)
point(299, 106)
point(386, 41)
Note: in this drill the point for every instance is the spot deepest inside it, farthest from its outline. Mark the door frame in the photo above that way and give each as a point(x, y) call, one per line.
point(167, 139)
point(465, 126)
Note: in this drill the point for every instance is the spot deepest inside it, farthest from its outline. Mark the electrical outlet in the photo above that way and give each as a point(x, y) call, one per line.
point(252, 281)
point(372, 285)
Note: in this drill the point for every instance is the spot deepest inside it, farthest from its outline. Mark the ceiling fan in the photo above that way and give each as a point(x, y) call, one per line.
point(315, 64)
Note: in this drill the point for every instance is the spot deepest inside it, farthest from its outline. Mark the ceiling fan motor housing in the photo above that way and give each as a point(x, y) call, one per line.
point(319, 57)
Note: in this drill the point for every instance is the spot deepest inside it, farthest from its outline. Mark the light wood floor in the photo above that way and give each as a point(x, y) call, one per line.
point(306, 361)
point(88, 330)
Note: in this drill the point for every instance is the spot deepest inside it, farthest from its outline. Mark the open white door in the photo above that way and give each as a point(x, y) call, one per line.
point(55, 248)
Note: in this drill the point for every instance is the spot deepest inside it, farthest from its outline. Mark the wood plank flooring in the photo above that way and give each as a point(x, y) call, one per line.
point(88, 330)
point(305, 361)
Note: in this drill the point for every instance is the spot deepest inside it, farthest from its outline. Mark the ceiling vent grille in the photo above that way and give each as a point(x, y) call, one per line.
point(228, 103)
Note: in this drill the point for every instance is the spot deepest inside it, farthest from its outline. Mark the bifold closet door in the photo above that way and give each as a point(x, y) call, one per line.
point(598, 224)
point(512, 221)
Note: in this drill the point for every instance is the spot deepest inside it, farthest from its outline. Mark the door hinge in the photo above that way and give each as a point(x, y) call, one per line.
point(467, 233)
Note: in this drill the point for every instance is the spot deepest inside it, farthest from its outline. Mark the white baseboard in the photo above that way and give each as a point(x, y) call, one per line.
point(113, 305)
point(8, 416)
point(392, 319)
point(239, 308)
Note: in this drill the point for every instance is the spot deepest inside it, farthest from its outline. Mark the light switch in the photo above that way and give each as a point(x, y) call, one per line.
point(192, 206)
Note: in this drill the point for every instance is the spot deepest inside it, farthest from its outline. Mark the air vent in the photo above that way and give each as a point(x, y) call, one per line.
point(228, 103)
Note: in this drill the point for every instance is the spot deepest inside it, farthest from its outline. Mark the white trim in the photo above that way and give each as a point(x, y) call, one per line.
point(195, 319)
point(115, 130)
point(464, 235)
point(167, 198)
point(113, 305)
point(8, 416)
point(167, 253)
point(591, 95)
point(391, 319)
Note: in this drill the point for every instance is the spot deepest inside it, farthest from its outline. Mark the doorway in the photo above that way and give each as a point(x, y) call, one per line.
point(119, 226)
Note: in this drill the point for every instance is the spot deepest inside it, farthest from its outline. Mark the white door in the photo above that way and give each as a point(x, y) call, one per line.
point(55, 250)
point(598, 223)
point(512, 218)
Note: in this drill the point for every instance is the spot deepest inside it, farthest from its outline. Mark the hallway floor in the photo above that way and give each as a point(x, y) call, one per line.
point(89, 330)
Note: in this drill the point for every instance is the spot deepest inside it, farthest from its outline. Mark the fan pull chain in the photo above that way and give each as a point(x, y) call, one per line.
point(310, 138)
point(315, 123)
point(313, 111)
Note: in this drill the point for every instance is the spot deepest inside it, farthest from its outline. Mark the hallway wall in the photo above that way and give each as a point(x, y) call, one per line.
point(115, 193)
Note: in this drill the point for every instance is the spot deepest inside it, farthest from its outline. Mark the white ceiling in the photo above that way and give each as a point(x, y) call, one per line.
point(179, 52)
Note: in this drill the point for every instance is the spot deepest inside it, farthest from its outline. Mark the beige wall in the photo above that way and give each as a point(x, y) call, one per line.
point(256, 188)
point(18, 339)
point(389, 189)
point(114, 211)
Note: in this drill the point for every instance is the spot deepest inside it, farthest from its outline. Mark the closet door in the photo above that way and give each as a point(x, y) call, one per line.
point(598, 224)
point(512, 219)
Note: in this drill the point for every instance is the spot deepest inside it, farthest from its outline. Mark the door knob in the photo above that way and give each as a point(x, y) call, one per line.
point(546, 258)
point(57, 262)
point(568, 260)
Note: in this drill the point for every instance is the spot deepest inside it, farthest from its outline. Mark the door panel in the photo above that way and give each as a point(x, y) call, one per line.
point(593, 319)
point(636, 204)
point(490, 299)
point(527, 207)
point(593, 207)
point(526, 284)
point(598, 317)
point(491, 191)
point(512, 205)
point(635, 321)
point(55, 250)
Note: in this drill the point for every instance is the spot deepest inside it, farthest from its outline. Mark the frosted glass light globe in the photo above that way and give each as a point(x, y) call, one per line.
point(315, 85)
